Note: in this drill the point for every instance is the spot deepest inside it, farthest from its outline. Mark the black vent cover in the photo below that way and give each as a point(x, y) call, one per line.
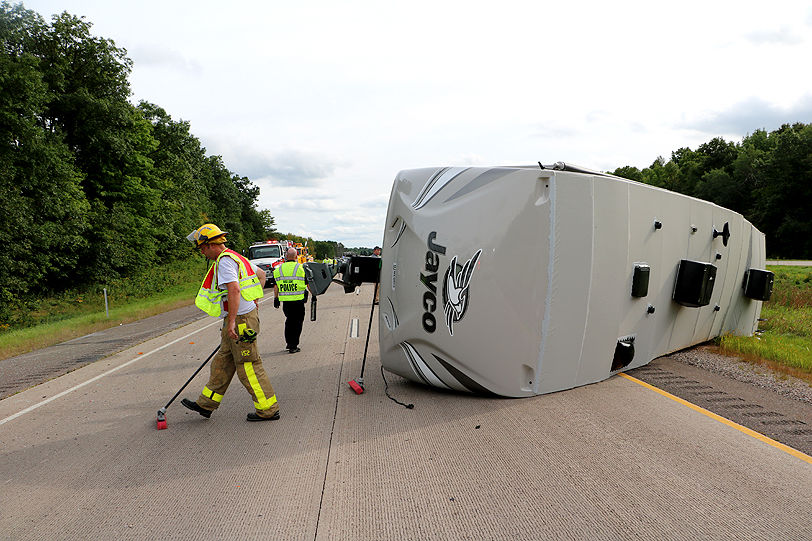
point(694, 284)
point(640, 280)
point(758, 284)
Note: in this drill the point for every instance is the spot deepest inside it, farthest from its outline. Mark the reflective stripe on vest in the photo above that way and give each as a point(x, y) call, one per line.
point(290, 281)
point(209, 296)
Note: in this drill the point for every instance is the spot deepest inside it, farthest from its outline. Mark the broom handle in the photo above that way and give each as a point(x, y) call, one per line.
point(369, 330)
point(193, 377)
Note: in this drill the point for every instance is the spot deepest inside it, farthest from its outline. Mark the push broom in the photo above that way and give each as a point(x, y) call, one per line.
point(357, 384)
point(162, 411)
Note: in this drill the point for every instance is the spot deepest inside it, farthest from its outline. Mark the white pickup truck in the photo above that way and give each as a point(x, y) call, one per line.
point(267, 255)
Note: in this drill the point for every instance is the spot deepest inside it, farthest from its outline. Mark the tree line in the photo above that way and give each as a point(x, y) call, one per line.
point(92, 186)
point(319, 249)
point(767, 178)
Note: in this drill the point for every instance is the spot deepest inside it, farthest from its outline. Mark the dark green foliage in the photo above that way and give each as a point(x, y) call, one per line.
point(319, 249)
point(43, 211)
point(93, 188)
point(324, 249)
point(785, 194)
point(767, 178)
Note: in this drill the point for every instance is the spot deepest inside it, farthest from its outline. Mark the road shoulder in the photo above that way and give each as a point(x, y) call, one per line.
point(772, 404)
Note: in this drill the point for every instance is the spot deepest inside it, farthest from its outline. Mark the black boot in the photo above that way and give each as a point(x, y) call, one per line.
point(254, 417)
point(195, 407)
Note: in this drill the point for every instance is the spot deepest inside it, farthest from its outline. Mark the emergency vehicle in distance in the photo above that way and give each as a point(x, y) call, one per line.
point(304, 253)
point(268, 255)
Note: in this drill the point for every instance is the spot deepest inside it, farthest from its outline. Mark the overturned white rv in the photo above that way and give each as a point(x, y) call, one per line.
point(518, 281)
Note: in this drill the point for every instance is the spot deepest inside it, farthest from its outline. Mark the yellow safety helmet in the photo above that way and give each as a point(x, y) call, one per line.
point(206, 233)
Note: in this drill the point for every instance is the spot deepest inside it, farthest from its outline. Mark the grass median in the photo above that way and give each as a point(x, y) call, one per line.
point(784, 339)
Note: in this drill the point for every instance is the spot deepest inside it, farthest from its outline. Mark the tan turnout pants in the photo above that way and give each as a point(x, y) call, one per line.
point(242, 358)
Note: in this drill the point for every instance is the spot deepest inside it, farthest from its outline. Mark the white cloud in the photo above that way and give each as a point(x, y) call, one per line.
point(376, 202)
point(752, 114)
point(146, 56)
point(308, 204)
point(782, 36)
point(285, 168)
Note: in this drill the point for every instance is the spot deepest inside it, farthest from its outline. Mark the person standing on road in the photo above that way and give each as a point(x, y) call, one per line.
point(230, 290)
point(377, 253)
point(290, 290)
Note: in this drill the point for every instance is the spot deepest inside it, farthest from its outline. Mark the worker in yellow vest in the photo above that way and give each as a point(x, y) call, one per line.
point(290, 290)
point(230, 290)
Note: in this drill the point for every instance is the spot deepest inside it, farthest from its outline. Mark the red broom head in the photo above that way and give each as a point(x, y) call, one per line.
point(356, 387)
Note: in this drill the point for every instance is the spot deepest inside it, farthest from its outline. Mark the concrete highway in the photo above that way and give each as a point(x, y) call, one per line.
point(80, 456)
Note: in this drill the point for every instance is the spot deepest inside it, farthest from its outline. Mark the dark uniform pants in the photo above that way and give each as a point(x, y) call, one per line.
point(242, 358)
point(294, 317)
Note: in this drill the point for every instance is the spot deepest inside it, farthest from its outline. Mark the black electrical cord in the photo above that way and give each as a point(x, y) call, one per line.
point(392, 398)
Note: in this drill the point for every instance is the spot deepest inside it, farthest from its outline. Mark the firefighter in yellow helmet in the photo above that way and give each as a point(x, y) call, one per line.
point(229, 291)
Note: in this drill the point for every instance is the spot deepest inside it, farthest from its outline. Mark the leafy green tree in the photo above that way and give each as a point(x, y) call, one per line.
point(717, 154)
point(92, 187)
point(748, 170)
point(198, 189)
point(691, 168)
point(250, 220)
point(42, 208)
point(662, 174)
point(324, 249)
point(179, 162)
point(719, 186)
point(110, 140)
point(784, 197)
point(267, 223)
point(629, 172)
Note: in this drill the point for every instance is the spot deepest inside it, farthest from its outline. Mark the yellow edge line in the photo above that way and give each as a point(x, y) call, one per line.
point(778, 445)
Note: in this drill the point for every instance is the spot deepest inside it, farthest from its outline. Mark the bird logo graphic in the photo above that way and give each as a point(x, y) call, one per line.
point(455, 289)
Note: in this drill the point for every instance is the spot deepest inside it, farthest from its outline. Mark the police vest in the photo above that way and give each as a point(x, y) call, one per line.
point(208, 298)
point(290, 281)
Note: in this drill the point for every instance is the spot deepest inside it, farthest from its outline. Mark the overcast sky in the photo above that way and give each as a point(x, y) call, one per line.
point(321, 103)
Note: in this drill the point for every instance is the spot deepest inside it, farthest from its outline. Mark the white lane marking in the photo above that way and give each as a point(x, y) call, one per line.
point(354, 328)
point(91, 380)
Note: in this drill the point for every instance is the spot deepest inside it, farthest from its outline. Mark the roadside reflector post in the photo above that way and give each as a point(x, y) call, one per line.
point(106, 309)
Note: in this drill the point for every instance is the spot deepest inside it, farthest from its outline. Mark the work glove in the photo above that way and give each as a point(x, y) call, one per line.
point(249, 336)
point(276, 302)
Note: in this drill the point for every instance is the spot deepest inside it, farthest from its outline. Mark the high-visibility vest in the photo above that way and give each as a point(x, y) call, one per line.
point(290, 281)
point(208, 297)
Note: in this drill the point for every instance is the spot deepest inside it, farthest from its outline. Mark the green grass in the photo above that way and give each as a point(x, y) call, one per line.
point(46, 321)
point(786, 341)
